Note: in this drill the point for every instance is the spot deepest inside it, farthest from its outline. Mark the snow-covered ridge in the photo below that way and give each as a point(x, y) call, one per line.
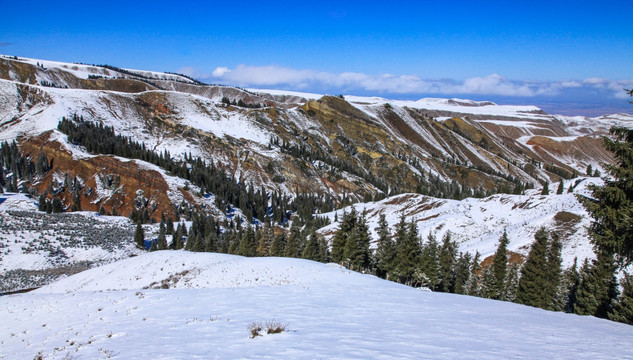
point(460, 106)
point(182, 269)
point(452, 105)
point(465, 106)
point(83, 71)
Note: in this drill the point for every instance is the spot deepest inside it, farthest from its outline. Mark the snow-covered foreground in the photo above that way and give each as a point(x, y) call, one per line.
point(330, 312)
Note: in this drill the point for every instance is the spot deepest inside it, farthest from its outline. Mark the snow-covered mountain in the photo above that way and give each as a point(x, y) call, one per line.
point(123, 311)
point(356, 146)
point(447, 164)
point(347, 149)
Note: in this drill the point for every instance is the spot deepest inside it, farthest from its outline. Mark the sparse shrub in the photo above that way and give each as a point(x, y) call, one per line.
point(271, 327)
point(255, 329)
point(274, 327)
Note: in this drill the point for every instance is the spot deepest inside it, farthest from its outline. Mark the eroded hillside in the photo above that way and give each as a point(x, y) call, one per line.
point(348, 149)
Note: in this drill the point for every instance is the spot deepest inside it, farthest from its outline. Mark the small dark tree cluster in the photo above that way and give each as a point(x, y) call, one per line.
point(18, 170)
point(208, 235)
point(541, 273)
point(597, 290)
point(350, 245)
point(241, 103)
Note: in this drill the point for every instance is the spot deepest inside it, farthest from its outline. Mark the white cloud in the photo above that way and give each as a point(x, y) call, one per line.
point(220, 71)
point(570, 84)
point(494, 84)
point(615, 86)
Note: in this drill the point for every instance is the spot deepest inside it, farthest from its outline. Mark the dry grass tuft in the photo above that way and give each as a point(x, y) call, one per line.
point(274, 327)
point(271, 327)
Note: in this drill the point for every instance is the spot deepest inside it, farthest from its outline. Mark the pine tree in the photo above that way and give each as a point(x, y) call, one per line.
point(248, 245)
point(512, 282)
point(545, 190)
point(500, 268)
point(292, 248)
point(312, 250)
point(571, 281)
point(589, 171)
point(191, 240)
point(348, 222)
point(209, 228)
point(399, 236)
point(561, 187)
point(351, 251)
point(224, 242)
point(472, 285)
point(554, 296)
point(324, 250)
point(57, 205)
point(611, 205)
point(211, 241)
point(139, 236)
point(447, 259)
point(408, 254)
point(76, 197)
point(41, 205)
point(265, 241)
point(162, 238)
point(429, 262)
point(488, 283)
point(598, 287)
point(533, 274)
point(170, 226)
point(462, 273)
point(356, 251)
point(364, 239)
point(183, 230)
point(583, 291)
point(278, 246)
point(623, 308)
point(198, 243)
point(234, 239)
point(176, 240)
point(386, 249)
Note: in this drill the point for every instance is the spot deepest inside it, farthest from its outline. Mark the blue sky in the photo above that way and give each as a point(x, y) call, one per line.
point(567, 56)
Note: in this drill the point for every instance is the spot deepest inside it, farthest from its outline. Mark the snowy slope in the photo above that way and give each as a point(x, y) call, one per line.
point(183, 269)
point(37, 248)
point(17, 201)
point(328, 312)
point(33, 240)
point(121, 111)
point(477, 224)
